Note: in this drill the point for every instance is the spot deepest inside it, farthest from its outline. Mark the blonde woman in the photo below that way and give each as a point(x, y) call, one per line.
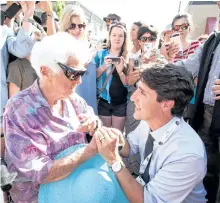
point(73, 22)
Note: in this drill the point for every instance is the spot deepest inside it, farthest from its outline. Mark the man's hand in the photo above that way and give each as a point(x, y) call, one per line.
point(107, 141)
point(28, 8)
point(216, 89)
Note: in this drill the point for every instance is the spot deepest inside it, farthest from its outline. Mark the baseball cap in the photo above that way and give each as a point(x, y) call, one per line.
point(112, 16)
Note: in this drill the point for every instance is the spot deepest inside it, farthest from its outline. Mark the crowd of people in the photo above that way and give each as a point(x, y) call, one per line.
point(150, 110)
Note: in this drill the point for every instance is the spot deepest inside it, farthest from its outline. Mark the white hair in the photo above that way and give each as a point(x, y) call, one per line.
point(57, 48)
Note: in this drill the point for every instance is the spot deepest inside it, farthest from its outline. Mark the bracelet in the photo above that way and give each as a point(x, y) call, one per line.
point(29, 20)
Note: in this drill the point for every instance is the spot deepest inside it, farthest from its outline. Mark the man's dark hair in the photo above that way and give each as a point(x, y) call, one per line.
point(139, 23)
point(170, 83)
point(112, 16)
point(147, 28)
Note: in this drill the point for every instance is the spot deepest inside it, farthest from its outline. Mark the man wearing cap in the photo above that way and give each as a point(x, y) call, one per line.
point(173, 157)
point(109, 19)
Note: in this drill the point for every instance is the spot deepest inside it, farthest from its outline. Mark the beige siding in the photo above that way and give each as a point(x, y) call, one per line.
point(200, 13)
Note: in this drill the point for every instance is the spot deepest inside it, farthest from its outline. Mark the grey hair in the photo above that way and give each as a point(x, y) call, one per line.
point(56, 48)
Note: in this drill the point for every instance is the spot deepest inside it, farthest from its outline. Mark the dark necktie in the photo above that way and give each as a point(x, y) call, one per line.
point(148, 149)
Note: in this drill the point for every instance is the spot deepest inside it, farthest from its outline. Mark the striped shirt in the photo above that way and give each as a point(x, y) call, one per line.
point(187, 52)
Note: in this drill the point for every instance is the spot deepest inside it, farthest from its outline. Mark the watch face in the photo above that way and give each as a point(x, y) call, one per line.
point(116, 167)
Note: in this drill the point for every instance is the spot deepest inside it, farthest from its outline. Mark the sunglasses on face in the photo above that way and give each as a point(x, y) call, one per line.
point(70, 73)
point(73, 26)
point(183, 27)
point(149, 39)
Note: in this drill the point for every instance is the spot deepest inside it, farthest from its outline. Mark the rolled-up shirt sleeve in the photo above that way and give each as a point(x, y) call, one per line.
point(133, 142)
point(192, 64)
point(26, 154)
point(175, 180)
point(20, 45)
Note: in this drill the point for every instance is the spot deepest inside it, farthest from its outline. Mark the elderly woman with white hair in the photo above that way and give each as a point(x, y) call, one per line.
point(45, 119)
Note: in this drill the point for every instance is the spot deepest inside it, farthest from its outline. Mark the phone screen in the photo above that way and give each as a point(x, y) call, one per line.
point(12, 10)
point(147, 48)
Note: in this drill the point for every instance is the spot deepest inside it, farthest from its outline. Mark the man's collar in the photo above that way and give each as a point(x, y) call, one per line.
point(159, 134)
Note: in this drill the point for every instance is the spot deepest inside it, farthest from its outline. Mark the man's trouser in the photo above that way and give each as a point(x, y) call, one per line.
point(211, 179)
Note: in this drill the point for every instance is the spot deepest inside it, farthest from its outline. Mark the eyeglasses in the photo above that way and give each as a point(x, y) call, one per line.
point(149, 39)
point(70, 73)
point(73, 26)
point(183, 27)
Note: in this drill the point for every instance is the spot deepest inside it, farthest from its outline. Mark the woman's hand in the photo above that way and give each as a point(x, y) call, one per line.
point(28, 8)
point(45, 6)
point(173, 50)
point(133, 76)
point(89, 124)
point(120, 66)
point(107, 62)
point(216, 89)
point(152, 58)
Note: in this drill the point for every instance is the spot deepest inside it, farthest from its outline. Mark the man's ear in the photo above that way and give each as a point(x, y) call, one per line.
point(168, 105)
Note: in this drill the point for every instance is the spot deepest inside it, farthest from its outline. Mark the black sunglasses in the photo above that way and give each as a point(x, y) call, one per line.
point(73, 26)
point(149, 39)
point(118, 24)
point(70, 73)
point(183, 27)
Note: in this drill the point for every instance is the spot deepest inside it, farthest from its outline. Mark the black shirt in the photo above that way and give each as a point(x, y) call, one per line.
point(118, 92)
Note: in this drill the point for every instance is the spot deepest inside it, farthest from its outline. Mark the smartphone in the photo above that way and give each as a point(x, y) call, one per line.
point(12, 10)
point(115, 59)
point(147, 49)
point(175, 37)
point(2, 17)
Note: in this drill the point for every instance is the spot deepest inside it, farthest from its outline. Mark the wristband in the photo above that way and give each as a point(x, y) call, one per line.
point(29, 20)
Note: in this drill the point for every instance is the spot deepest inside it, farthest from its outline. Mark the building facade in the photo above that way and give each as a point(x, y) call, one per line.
point(204, 15)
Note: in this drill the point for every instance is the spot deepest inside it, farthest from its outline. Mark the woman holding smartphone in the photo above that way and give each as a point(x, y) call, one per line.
point(182, 25)
point(145, 35)
point(111, 78)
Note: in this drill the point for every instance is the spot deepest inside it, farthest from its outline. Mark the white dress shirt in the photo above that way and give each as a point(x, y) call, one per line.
point(178, 163)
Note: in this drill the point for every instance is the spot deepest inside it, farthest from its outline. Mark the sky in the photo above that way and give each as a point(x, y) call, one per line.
point(156, 12)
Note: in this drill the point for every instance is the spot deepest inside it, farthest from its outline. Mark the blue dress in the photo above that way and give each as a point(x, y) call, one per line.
point(87, 89)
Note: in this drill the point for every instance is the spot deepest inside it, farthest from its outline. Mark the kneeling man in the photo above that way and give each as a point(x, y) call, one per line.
point(173, 157)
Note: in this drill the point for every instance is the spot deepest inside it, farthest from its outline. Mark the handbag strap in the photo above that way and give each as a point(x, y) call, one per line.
point(106, 81)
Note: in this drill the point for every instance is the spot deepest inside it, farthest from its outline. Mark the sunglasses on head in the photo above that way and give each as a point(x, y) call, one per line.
point(183, 27)
point(70, 73)
point(149, 39)
point(73, 26)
